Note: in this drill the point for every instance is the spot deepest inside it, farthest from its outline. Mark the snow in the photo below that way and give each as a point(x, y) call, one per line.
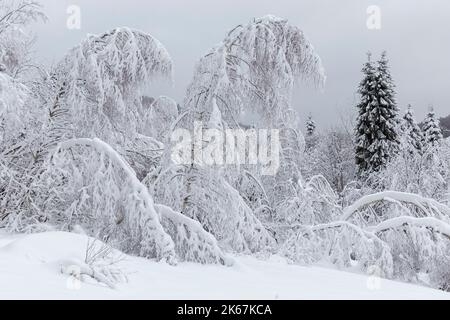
point(30, 268)
point(427, 222)
point(427, 206)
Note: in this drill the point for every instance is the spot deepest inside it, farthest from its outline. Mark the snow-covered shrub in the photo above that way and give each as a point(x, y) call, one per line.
point(101, 263)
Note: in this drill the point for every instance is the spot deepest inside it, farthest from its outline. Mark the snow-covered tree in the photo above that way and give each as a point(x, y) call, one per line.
point(409, 242)
point(13, 96)
point(15, 41)
point(252, 69)
point(311, 138)
point(105, 76)
point(19, 128)
point(99, 89)
point(411, 133)
point(241, 72)
point(367, 91)
point(377, 139)
point(432, 132)
point(310, 126)
point(87, 184)
point(332, 157)
point(11, 102)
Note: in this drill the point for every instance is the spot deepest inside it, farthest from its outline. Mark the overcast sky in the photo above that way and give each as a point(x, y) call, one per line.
point(415, 33)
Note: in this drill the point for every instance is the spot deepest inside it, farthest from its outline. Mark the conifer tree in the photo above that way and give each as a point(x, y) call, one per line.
point(310, 126)
point(412, 134)
point(432, 131)
point(377, 139)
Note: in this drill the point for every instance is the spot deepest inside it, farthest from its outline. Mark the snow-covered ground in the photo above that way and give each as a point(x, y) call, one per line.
point(30, 268)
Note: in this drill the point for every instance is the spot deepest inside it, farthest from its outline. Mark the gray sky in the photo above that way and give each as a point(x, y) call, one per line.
point(416, 34)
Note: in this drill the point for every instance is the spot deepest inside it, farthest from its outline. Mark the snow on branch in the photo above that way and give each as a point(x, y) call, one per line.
point(19, 13)
point(123, 54)
point(429, 207)
point(343, 243)
point(192, 242)
point(400, 247)
point(103, 147)
point(427, 222)
point(321, 188)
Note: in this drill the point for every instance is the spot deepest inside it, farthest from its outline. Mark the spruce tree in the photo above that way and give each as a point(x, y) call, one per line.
point(377, 139)
point(432, 131)
point(412, 135)
point(310, 126)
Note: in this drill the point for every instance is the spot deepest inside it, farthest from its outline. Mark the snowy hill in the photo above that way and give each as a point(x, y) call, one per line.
point(31, 265)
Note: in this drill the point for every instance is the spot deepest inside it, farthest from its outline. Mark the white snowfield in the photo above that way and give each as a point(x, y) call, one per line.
point(30, 268)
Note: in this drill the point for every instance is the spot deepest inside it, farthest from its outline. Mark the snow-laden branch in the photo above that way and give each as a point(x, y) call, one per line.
point(364, 234)
point(19, 14)
point(192, 242)
point(370, 232)
point(103, 147)
point(427, 222)
point(141, 218)
point(373, 245)
point(341, 242)
point(339, 224)
point(429, 207)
